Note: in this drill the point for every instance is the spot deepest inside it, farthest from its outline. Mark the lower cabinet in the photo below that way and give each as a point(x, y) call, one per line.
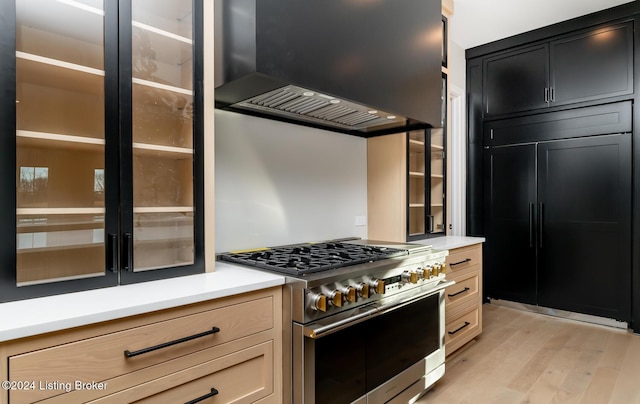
point(226, 350)
point(463, 301)
point(558, 224)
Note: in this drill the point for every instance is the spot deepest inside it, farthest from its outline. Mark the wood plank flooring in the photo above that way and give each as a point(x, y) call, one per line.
point(531, 358)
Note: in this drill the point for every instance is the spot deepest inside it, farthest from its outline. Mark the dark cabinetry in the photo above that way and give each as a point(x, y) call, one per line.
point(558, 218)
point(101, 118)
point(553, 177)
point(592, 64)
point(516, 81)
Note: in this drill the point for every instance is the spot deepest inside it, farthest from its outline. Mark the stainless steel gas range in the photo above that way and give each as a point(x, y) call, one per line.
point(367, 318)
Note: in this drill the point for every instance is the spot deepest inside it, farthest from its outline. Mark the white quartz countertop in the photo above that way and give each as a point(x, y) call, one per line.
point(36, 316)
point(450, 242)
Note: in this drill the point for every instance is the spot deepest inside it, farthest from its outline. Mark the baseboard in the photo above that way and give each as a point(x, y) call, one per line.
point(585, 318)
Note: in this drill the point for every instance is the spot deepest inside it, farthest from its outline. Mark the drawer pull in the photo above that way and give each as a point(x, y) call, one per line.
point(130, 354)
point(461, 262)
point(202, 398)
point(457, 293)
point(466, 324)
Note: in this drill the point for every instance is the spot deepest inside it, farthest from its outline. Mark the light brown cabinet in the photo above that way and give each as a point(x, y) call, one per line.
point(463, 301)
point(232, 346)
point(406, 177)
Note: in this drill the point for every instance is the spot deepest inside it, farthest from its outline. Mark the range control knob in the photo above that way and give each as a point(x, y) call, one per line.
point(434, 270)
point(318, 302)
point(350, 294)
point(363, 289)
point(335, 298)
point(443, 268)
point(426, 272)
point(376, 286)
point(410, 276)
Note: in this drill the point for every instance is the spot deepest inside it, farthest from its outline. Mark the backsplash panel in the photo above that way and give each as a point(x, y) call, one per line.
point(278, 183)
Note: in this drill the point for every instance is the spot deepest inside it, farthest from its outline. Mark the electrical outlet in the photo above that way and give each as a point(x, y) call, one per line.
point(361, 221)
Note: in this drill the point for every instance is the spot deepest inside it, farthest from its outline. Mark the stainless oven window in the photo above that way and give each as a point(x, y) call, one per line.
point(340, 366)
point(348, 363)
point(400, 338)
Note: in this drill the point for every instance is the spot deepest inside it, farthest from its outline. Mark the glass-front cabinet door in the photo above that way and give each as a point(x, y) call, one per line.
point(417, 185)
point(426, 183)
point(101, 124)
point(162, 130)
point(60, 134)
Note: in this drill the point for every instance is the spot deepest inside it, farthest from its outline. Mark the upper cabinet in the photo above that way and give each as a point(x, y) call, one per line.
point(592, 64)
point(426, 184)
point(407, 175)
point(101, 142)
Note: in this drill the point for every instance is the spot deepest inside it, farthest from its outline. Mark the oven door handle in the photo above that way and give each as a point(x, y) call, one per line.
point(316, 331)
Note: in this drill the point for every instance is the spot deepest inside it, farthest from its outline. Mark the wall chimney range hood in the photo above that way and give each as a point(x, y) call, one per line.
point(361, 67)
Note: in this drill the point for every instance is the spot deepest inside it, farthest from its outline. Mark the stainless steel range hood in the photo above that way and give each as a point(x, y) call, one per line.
point(361, 67)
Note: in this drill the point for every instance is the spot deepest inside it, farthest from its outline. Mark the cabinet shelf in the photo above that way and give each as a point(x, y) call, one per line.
point(60, 211)
point(27, 250)
point(58, 63)
point(42, 139)
point(416, 146)
point(162, 32)
point(163, 209)
point(52, 73)
point(415, 174)
point(436, 147)
point(439, 176)
point(161, 86)
point(155, 149)
point(416, 205)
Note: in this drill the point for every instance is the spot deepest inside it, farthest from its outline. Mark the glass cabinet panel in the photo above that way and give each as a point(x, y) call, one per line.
point(162, 120)
point(437, 181)
point(417, 183)
point(60, 140)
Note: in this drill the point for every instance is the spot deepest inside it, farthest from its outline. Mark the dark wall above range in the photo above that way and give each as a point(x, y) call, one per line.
point(553, 172)
point(358, 67)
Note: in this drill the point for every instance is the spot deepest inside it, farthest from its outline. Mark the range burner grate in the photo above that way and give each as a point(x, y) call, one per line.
point(301, 259)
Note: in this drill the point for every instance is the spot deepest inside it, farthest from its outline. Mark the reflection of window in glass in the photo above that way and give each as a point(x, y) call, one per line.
point(98, 180)
point(34, 179)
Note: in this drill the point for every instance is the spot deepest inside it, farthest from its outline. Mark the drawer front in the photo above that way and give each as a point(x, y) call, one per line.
point(77, 361)
point(462, 258)
point(462, 329)
point(242, 377)
point(465, 290)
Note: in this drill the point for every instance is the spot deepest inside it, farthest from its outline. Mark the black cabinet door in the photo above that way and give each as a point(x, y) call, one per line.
point(510, 190)
point(516, 81)
point(584, 189)
point(592, 65)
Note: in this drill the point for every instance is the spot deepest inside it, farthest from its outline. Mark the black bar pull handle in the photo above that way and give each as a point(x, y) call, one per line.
point(202, 398)
point(112, 252)
point(466, 324)
point(532, 208)
point(460, 292)
point(540, 222)
point(546, 94)
point(127, 252)
point(464, 261)
point(129, 354)
point(432, 220)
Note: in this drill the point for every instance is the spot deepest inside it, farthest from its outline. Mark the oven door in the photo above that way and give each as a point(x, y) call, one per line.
point(379, 350)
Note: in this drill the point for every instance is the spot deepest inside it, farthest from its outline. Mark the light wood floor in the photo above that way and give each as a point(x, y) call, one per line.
point(523, 357)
